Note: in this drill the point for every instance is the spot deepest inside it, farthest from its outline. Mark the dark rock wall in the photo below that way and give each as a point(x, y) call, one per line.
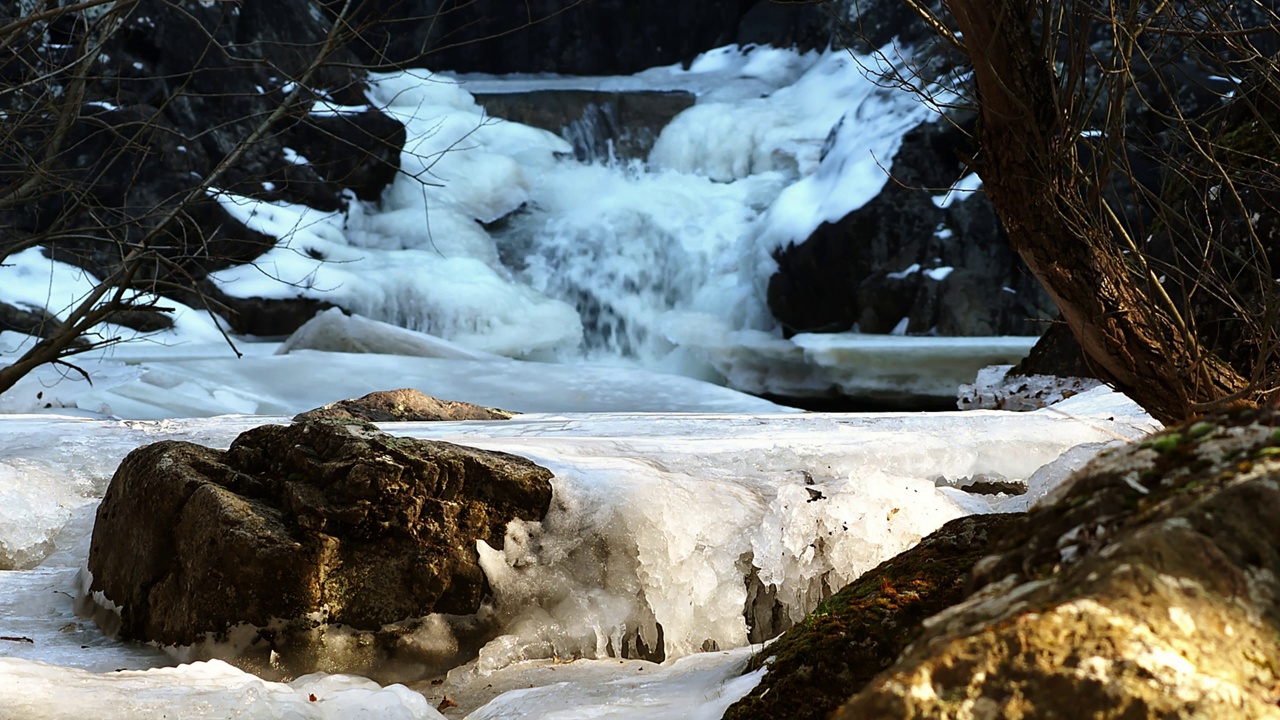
point(579, 37)
point(601, 125)
point(607, 37)
point(852, 272)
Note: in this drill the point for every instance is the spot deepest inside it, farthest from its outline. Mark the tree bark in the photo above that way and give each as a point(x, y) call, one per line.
point(1030, 172)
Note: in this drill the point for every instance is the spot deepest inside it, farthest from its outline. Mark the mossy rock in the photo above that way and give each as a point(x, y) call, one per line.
point(862, 629)
point(1147, 586)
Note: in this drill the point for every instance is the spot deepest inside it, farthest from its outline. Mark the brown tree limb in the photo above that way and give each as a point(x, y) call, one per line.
point(1031, 174)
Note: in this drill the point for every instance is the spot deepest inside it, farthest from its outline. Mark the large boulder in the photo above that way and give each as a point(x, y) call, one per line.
point(301, 534)
point(1148, 589)
point(1146, 586)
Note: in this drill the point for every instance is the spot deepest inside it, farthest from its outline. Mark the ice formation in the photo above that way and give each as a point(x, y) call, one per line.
point(656, 519)
point(614, 262)
point(211, 689)
point(663, 513)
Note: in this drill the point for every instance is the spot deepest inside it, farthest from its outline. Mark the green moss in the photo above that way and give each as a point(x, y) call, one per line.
point(1201, 429)
point(1165, 443)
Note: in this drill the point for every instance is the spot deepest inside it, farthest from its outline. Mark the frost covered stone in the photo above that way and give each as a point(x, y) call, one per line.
point(314, 525)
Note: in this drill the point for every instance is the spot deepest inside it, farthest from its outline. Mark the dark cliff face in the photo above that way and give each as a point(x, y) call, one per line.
point(168, 92)
point(945, 270)
point(578, 37)
point(157, 98)
point(599, 37)
point(611, 37)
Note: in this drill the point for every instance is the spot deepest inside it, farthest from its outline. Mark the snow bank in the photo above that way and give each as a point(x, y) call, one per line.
point(699, 687)
point(211, 689)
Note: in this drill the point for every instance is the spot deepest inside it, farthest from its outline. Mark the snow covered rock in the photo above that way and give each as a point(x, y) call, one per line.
point(403, 405)
point(356, 150)
point(1148, 588)
point(312, 538)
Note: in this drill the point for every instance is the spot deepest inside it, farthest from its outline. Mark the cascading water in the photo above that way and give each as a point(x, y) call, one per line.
point(626, 247)
point(660, 261)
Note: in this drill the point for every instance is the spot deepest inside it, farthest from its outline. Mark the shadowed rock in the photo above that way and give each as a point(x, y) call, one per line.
point(317, 526)
point(943, 267)
point(599, 124)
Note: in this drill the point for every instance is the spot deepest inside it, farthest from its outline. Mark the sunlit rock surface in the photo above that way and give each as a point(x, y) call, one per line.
point(294, 528)
point(403, 405)
point(1145, 587)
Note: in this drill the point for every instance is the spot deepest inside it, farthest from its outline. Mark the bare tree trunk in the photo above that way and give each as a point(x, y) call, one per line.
point(1030, 171)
